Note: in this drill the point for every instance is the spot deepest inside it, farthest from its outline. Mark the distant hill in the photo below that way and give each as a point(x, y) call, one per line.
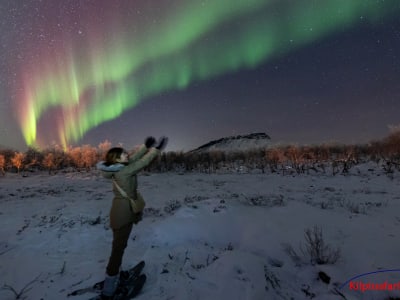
point(236, 143)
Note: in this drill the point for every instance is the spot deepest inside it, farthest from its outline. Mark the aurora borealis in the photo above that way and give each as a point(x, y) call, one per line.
point(70, 68)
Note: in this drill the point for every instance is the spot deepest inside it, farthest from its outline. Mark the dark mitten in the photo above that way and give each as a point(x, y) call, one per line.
point(162, 143)
point(149, 142)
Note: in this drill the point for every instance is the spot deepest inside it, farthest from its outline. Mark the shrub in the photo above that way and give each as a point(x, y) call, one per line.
point(319, 252)
point(316, 250)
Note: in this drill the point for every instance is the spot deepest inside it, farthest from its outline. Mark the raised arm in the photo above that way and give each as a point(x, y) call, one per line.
point(145, 154)
point(136, 155)
point(141, 162)
point(148, 143)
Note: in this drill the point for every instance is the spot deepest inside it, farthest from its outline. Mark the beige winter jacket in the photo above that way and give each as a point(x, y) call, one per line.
point(121, 212)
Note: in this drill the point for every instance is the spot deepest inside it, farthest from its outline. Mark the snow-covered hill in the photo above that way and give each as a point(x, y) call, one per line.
point(237, 143)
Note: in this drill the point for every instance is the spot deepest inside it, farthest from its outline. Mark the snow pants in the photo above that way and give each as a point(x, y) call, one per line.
point(120, 241)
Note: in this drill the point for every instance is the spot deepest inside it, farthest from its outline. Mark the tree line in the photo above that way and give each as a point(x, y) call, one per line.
point(325, 158)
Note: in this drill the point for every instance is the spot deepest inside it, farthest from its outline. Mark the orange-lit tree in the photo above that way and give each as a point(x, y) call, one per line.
point(17, 160)
point(2, 164)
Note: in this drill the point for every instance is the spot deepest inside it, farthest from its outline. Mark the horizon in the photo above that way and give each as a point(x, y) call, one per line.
point(272, 145)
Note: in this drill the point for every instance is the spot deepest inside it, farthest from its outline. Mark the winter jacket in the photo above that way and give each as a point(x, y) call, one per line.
point(121, 213)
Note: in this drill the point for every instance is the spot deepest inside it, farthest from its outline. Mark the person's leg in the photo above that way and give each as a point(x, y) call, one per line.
point(120, 241)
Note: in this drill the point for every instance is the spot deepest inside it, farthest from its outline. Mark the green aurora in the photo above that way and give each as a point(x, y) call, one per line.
point(96, 79)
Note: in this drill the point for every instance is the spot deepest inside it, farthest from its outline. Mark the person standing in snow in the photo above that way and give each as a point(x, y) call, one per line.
point(127, 205)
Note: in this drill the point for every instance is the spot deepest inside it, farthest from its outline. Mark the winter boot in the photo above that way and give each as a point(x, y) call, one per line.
point(124, 277)
point(110, 286)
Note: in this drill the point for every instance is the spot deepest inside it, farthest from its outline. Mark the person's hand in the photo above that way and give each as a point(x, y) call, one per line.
point(149, 142)
point(162, 143)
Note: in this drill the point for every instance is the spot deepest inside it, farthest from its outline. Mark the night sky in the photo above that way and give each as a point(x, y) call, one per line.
point(303, 71)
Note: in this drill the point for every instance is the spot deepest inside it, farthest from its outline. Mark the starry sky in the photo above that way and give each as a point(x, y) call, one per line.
point(76, 72)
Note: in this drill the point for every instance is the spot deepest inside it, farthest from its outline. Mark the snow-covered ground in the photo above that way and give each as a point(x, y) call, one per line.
point(218, 236)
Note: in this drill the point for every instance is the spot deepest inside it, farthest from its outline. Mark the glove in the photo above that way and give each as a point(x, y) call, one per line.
point(162, 143)
point(149, 142)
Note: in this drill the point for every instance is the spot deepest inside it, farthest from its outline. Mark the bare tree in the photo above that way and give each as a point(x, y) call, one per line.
point(274, 157)
point(346, 158)
point(294, 155)
point(49, 162)
point(76, 157)
point(88, 156)
point(309, 159)
point(32, 158)
point(391, 150)
point(17, 160)
point(2, 164)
